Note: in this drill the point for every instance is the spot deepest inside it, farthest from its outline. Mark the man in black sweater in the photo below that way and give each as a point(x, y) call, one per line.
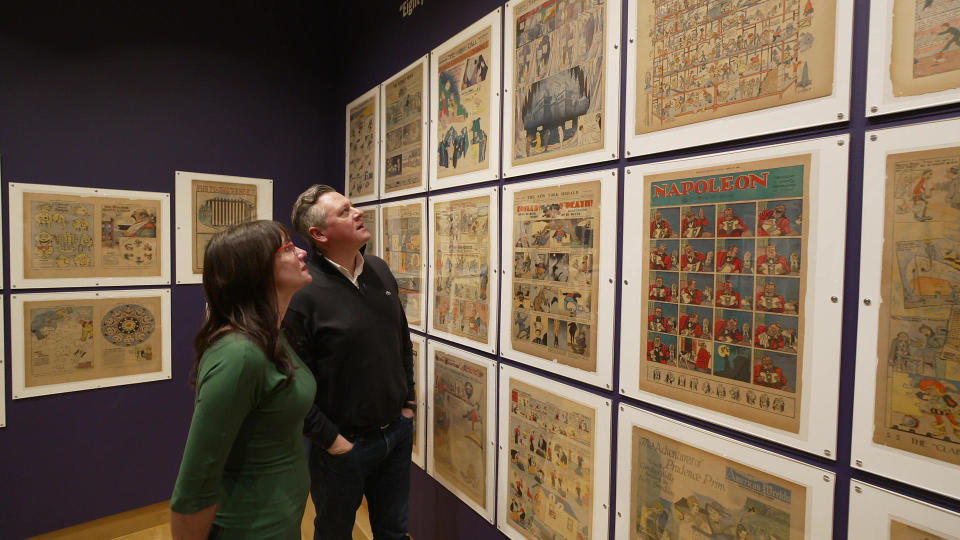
point(349, 327)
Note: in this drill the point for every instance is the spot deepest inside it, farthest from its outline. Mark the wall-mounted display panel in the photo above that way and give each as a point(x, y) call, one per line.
point(88, 237)
point(65, 342)
point(465, 105)
point(727, 313)
point(559, 265)
point(208, 204)
point(561, 84)
point(908, 337)
point(678, 481)
point(463, 268)
point(403, 225)
point(554, 459)
point(363, 147)
point(462, 442)
point(914, 55)
point(403, 167)
point(419, 453)
point(711, 72)
point(371, 220)
point(885, 515)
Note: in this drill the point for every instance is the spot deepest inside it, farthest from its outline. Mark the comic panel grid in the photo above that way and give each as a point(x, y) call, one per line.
point(724, 290)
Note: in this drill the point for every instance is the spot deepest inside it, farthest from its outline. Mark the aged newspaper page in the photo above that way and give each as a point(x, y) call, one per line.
point(554, 290)
point(727, 274)
point(403, 251)
point(680, 492)
point(403, 164)
point(918, 376)
point(925, 55)
point(550, 476)
point(902, 531)
point(216, 206)
point(370, 222)
point(417, 362)
point(71, 236)
point(463, 120)
point(707, 59)
point(82, 340)
point(461, 255)
point(558, 78)
point(460, 424)
point(363, 149)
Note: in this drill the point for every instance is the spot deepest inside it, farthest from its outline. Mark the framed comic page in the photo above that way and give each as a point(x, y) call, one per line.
point(885, 515)
point(403, 226)
point(718, 72)
point(561, 90)
point(209, 203)
point(3, 381)
point(727, 313)
point(371, 220)
point(403, 169)
point(678, 481)
point(419, 453)
point(363, 147)
point(554, 459)
point(914, 55)
point(462, 442)
point(463, 268)
point(559, 266)
point(465, 106)
point(908, 337)
point(71, 341)
point(88, 237)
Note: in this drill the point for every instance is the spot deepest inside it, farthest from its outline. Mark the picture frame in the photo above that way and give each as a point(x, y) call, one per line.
point(809, 425)
point(408, 264)
point(419, 453)
point(600, 285)
point(123, 324)
point(371, 220)
point(233, 207)
point(460, 61)
point(393, 116)
point(886, 515)
point(362, 145)
point(606, 128)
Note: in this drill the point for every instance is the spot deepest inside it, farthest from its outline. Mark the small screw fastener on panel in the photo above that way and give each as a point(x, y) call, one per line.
point(826, 478)
point(859, 463)
point(873, 137)
point(858, 489)
point(839, 116)
point(867, 302)
point(834, 299)
point(874, 108)
point(840, 142)
point(826, 453)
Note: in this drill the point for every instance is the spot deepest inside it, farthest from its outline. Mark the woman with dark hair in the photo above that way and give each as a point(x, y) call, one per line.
point(244, 471)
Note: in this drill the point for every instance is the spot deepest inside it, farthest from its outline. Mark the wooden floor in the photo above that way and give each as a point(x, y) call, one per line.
point(153, 523)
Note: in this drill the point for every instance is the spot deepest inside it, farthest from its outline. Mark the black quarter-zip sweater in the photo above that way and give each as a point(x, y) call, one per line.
point(356, 342)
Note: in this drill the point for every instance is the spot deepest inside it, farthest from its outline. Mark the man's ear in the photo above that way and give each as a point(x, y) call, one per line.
point(317, 235)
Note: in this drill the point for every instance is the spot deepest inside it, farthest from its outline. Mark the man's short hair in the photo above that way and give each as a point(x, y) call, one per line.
point(307, 214)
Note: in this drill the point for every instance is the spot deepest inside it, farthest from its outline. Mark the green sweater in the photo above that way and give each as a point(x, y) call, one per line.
point(245, 449)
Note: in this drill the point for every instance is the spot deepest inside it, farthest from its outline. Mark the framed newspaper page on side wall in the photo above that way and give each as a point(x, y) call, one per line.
point(559, 266)
point(419, 454)
point(885, 515)
point(462, 412)
point(728, 314)
point(209, 203)
point(405, 122)
point(908, 337)
point(914, 55)
point(561, 75)
point(464, 231)
point(711, 74)
point(554, 464)
point(403, 227)
point(465, 105)
point(63, 236)
point(371, 220)
point(363, 147)
point(678, 481)
point(71, 341)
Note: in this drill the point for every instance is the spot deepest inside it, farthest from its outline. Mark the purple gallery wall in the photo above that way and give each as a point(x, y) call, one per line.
point(121, 95)
point(382, 42)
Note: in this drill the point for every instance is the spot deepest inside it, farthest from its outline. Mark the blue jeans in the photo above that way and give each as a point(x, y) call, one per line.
point(378, 466)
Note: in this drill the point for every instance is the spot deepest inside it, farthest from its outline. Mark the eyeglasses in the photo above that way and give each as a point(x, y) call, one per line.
point(289, 247)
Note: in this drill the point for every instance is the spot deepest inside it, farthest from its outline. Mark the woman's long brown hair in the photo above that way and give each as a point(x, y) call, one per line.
point(238, 283)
